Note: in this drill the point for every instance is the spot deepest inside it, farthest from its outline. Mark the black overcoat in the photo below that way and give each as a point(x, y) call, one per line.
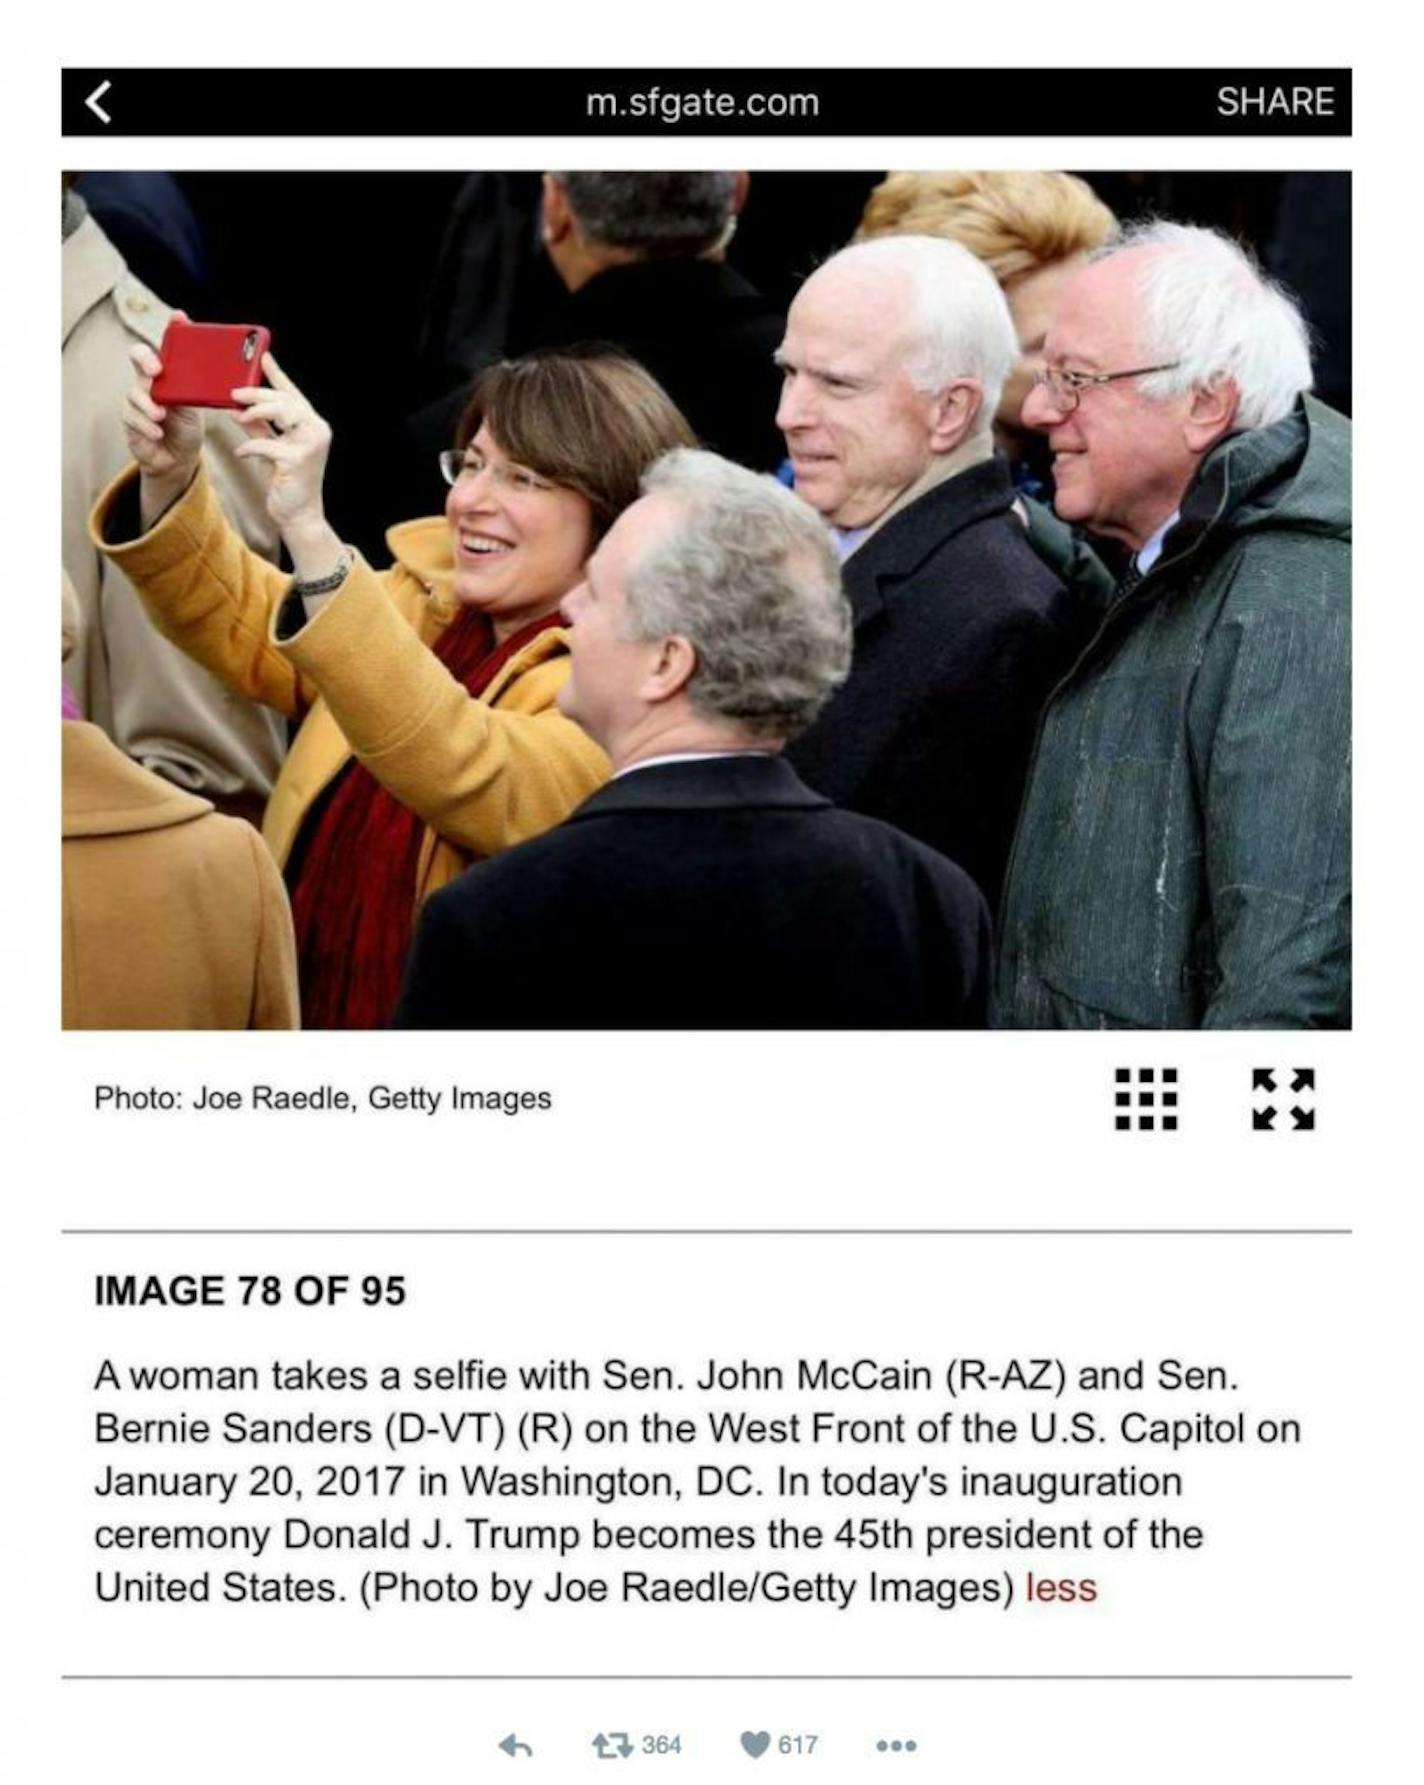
point(961, 631)
point(717, 893)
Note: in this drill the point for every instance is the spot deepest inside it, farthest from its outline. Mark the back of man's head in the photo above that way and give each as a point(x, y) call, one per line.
point(1213, 316)
point(749, 576)
point(655, 215)
point(957, 322)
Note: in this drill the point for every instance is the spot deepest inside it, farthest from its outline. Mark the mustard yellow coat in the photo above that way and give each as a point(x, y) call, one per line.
point(174, 918)
point(483, 773)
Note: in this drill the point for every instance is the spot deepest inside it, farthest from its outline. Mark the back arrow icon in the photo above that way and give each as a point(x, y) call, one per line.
point(512, 1746)
point(93, 102)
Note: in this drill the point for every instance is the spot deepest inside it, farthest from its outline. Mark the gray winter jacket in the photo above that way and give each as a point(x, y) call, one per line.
point(1182, 857)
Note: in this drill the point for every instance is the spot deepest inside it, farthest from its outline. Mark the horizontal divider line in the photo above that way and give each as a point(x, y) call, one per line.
point(702, 1233)
point(683, 1677)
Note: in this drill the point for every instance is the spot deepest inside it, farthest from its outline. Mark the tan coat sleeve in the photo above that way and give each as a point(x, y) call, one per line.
point(275, 1001)
point(483, 777)
point(159, 706)
point(207, 591)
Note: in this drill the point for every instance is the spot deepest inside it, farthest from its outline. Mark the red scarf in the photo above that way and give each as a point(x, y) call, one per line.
point(356, 856)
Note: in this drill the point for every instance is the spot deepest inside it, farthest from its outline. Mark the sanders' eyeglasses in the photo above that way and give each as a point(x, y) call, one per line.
point(1064, 389)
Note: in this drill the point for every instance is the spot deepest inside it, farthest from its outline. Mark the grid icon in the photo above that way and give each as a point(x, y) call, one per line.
point(1153, 1105)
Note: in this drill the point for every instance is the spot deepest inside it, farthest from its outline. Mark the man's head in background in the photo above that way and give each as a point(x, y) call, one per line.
point(593, 221)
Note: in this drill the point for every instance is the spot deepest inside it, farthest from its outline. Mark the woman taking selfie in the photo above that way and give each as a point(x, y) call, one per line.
point(429, 734)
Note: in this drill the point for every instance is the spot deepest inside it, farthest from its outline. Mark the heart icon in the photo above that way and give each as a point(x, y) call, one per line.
point(756, 1742)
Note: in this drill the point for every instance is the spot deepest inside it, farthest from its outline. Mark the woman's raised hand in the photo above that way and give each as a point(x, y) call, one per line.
point(164, 442)
point(292, 439)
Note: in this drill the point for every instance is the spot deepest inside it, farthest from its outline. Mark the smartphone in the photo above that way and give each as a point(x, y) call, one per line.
point(203, 362)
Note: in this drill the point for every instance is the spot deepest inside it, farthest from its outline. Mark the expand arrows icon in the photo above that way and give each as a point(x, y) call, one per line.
point(1302, 1114)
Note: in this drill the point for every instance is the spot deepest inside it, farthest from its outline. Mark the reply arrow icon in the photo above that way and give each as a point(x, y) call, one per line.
point(93, 102)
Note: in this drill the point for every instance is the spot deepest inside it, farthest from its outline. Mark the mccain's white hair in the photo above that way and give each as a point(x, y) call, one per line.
point(1208, 305)
point(960, 322)
point(750, 576)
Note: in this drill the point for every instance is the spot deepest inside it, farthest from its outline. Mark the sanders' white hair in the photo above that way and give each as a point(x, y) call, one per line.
point(1208, 306)
point(749, 575)
point(960, 325)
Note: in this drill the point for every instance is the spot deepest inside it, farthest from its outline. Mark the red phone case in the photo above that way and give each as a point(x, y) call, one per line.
point(203, 362)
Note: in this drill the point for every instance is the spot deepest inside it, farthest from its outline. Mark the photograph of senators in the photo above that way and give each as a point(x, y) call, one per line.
point(708, 601)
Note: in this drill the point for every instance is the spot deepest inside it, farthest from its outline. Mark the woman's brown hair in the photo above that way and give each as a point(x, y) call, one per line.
point(587, 418)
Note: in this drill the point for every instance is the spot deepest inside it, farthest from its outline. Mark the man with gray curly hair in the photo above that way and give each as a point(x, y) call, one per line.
point(744, 594)
point(705, 886)
point(1183, 856)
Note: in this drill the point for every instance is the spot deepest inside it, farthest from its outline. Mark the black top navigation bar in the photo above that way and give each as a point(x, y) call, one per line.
point(767, 102)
